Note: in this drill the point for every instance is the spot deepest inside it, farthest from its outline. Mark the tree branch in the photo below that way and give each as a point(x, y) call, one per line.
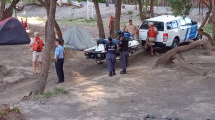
point(41, 2)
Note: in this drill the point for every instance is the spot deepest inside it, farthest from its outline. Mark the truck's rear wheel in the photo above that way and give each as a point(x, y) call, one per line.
point(175, 43)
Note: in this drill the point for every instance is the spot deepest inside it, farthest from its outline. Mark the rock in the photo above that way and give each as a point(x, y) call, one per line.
point(152, 116)
point(147, 116)
point(164, 117)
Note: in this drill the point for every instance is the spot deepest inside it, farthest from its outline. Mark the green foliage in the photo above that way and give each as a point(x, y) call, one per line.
point(208, 28)
point(89, 21)
point(50, 93)
point(16, 109)
point(130, 12)
point(180, 7)
point(58, 90)
point(5, 72)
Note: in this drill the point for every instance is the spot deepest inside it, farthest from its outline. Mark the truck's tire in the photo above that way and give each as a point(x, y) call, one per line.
point(175, 43)
point(198, 37)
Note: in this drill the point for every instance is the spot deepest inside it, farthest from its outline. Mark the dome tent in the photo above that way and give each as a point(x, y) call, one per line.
point(78, 39)
point(12, 32)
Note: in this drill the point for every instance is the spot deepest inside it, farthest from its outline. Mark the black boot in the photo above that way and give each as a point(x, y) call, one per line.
point(123, 72)
point(110, 74)
point(114, 72)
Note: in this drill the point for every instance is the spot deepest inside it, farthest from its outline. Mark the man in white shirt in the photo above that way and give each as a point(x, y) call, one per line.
point(37, 45)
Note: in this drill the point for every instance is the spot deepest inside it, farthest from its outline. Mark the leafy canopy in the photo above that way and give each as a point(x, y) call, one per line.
point(181, 7)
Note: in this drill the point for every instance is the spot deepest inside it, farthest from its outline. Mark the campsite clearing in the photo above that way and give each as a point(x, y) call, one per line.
point(92, 95)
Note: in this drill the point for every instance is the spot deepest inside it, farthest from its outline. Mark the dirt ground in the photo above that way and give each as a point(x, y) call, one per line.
point(92, 95)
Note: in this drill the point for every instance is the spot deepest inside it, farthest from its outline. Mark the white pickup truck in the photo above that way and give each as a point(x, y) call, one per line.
point(171, 30)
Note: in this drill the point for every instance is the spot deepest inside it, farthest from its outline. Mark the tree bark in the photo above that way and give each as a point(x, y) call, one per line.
point(9, 11)
point(99, 20)
point(152, 7)
point(117, 16)
point(57, 27)
point(42, 79)
point(141, 10)
point(213, 20)
point(2, 10)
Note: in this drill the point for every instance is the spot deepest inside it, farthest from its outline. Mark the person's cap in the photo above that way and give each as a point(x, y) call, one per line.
point(57, 40)
point(150, 23)
point(109, 38)
point(121, 36)
point(36, 33)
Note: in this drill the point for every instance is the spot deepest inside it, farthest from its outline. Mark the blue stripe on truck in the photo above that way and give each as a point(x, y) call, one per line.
point(186, 34)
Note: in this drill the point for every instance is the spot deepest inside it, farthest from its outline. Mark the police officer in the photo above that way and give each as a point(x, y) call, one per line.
point(59, 60)
point(111, 56)
point(123, 46)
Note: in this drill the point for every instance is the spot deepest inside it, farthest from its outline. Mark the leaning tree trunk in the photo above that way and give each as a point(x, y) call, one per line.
point(99, 20)
point(141, 10)
point(117, 16)
point(42, 79)
point(8, 12)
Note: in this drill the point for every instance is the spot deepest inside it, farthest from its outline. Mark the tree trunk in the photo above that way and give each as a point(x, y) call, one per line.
point(99, 20)
point(42, 79)
point(117, 16)
point(57, 27)
point(141, 10)
point(5, 13)
point(58, 32)
point(2, 10)
point(152, 7)
point(213, 21)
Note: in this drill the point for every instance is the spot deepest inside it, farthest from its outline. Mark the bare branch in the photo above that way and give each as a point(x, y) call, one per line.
point(41, 2)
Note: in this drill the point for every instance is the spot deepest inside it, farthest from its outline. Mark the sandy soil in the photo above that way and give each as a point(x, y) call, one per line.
point(92, 95)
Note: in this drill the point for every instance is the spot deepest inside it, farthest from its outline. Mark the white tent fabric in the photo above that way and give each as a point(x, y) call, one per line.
point(78, 39)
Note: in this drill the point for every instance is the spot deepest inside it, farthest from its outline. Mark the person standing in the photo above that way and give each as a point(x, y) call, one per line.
point(111, 56)
point(152, 33)
point(59, 60)
point(123, 46)
point(132, 29)
point(37, 45)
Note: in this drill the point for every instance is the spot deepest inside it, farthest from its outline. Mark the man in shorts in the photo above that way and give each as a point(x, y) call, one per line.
point(37, 45)
point(152, 33)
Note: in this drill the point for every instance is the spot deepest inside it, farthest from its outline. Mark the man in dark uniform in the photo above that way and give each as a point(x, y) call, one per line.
point(111, 56)
point(123, 46)
point(59, 60)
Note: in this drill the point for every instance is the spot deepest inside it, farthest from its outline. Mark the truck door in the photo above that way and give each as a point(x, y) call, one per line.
point(193, 27)
point(184, 29)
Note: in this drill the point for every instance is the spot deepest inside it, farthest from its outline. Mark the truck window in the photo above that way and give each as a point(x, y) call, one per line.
point(188, 21)
point(172, 25)
point(169, 25)
point(158, 25)
point(182, 22)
